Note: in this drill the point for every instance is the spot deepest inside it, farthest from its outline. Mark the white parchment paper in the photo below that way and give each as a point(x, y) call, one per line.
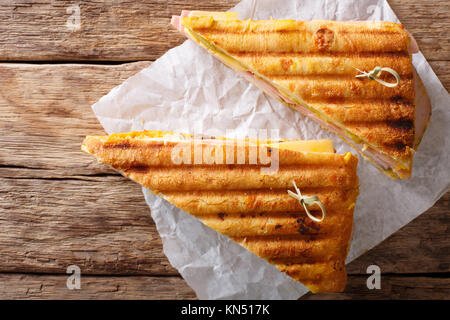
point(187, 90)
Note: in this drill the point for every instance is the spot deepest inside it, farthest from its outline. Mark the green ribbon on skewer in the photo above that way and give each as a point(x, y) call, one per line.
point(308, 201)
point(375, 74)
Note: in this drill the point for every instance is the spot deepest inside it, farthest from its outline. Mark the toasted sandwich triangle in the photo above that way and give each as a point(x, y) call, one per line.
point(312, 67)
point(251, 207)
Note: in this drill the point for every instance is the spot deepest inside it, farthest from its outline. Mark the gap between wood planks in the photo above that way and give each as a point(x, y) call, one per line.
point(131, 31)
point(30, 286)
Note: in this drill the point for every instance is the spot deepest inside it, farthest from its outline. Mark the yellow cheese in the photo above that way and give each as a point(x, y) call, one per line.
point(306, 146)
point(347, 157)
point(215, 15)
point(293, 145)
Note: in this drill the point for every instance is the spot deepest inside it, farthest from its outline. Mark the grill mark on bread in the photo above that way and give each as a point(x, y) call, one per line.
point(398, 100)
point(144, 167)
point(397, 146)
point(305, 248)
point(212, 178)
point(332, 54)
point(401, 124)
point(264, 202)
point(275, 226)
point(379, 111)
point(355, 87)
point(391, 136)
point(331, 76)
point(121, 145)
point(138, 169)
point(401, 100)
point(143, 154)
point(315, 275)
point(289, 42)
point(210, 31)
point(132, 145)
point(316, 66)
point(301, 261)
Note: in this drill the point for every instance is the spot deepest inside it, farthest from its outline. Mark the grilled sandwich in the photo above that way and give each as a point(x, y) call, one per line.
point(223, 183)
point(312, 66)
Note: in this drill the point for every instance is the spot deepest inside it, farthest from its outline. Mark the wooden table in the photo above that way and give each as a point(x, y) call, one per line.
point(58, 207)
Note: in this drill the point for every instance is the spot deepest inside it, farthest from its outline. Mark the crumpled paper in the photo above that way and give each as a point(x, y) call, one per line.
point(187, 90)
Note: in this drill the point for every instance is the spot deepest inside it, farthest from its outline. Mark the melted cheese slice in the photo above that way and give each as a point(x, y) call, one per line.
point(214, 15)
point(324, 145)
point(306, 146)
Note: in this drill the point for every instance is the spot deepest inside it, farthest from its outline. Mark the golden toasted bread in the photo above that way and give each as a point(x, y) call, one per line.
point(236, 197)
point(312, 66)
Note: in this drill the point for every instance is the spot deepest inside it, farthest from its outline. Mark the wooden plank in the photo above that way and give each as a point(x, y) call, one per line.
point(429, 23)
point(46, 112)
point(123, 30)
point(126, 30)
point(103, 225)
point(422, 246)
point(442, 70)
point(31, 286)
point(392, 288)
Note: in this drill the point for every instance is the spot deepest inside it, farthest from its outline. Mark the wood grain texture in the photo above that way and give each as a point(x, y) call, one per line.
point(46, 111)
point(125, 30)
point(118, 30)
point(102, 224)
point(392, 287)
point(31, 286)
point(422, 246)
